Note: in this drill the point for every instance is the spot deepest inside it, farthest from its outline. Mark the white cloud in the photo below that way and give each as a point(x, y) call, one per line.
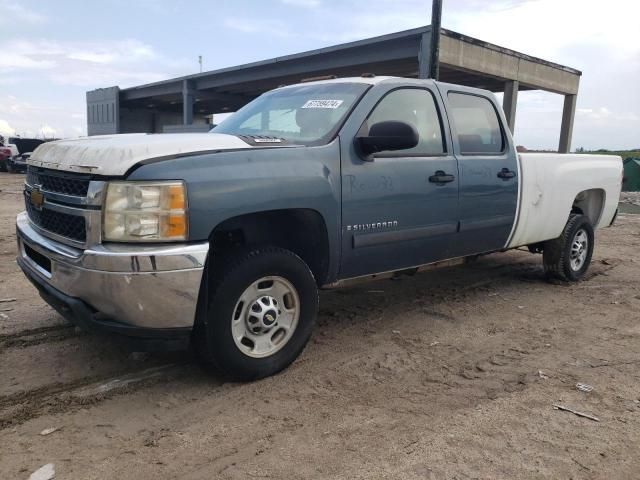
point(126, 51)
point(88, 64)
point(12, 61)
point(6, 129)
point(551, 28)
point(46, 131)
point(72, 67)
point(12, 12)
point(42, 118)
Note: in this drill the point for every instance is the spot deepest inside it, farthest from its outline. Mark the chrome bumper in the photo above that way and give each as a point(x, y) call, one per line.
point(147, 286)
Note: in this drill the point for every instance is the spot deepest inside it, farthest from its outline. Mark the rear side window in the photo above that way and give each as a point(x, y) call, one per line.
point(415, 107)
point(476, 122)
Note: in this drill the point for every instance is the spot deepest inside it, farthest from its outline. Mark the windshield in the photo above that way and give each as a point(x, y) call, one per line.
point(305, 114)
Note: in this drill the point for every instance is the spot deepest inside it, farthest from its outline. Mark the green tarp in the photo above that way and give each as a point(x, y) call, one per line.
point(631, 175)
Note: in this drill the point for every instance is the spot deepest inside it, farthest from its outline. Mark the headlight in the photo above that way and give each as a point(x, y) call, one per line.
point(145, 212)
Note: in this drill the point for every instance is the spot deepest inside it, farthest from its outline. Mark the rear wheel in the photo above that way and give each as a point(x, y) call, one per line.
point(568, 257)
point(262, 308)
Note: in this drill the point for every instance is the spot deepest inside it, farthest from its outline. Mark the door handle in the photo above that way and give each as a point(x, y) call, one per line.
point(441, 177)
point(506, 174)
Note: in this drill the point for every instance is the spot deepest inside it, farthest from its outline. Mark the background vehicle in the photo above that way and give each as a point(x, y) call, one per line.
point(18, 164)
point(5, 154)
point(8, 152)
point(223, 239)
point(24, 146)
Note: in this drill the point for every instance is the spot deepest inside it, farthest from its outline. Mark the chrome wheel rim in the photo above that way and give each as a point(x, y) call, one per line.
point(265, 317)
point(579, 248)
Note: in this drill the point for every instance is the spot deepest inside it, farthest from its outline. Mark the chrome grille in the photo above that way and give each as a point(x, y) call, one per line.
point(67, 205)
point(63, 224)
point(58, 182)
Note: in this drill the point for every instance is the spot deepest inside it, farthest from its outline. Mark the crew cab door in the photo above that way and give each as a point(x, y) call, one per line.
point(395, 212)
point(488, 167)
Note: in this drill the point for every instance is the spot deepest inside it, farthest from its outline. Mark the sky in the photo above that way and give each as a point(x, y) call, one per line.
point(51, 53)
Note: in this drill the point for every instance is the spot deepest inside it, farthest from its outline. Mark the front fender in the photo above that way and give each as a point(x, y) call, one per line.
point(228, 184)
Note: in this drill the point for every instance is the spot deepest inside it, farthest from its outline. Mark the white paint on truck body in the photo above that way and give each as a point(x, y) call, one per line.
point(549, 184)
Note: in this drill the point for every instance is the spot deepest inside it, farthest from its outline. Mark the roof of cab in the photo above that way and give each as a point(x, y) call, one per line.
point(367, 80)
point(374, 80)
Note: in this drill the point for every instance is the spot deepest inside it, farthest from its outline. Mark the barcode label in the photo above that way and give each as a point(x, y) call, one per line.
point(322, 104)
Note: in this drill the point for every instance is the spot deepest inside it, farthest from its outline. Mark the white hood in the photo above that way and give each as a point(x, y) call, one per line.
point(115, 154)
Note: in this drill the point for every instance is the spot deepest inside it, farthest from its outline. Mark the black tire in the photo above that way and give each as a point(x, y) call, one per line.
point(557, 254)
point(3, 165)
point(213, 339)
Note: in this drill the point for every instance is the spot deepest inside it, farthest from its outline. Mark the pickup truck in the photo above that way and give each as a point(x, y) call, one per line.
point(221, 240)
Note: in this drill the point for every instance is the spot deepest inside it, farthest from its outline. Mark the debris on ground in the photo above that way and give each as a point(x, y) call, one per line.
point(583, 387)
point(576, 412)
point(46, 472)
point(48, 431)
point(542, 375)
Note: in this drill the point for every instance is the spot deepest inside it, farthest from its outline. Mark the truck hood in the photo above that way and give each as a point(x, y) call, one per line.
point(116, 154)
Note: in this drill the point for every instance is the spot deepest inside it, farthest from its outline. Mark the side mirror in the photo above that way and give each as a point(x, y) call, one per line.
point(389, 135)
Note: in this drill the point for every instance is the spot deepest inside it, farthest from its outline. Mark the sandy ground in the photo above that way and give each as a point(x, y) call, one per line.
point(450, 374)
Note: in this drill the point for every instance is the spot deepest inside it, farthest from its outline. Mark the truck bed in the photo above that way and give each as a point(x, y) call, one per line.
point(549, 184)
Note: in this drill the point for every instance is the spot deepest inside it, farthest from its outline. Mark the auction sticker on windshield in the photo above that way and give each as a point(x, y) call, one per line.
point(322, 104)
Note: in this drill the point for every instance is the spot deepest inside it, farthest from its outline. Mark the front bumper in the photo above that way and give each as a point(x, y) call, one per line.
point(130, 289)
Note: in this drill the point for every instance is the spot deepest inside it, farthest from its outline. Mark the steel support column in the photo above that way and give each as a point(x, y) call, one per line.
point(188, 99)
point(424, 53)
point(566, 130)
point(434, 54)
point(509, 103)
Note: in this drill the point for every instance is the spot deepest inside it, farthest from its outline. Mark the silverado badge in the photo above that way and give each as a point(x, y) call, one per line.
point(36, 197)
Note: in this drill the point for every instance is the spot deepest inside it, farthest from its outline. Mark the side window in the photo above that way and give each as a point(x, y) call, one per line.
point(476, 123)
point(415, 107)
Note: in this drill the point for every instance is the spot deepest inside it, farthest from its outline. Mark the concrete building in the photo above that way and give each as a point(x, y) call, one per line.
point(185, 103)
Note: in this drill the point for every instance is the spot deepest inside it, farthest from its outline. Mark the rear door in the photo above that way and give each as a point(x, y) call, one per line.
point(395, 212)
point(488, 167)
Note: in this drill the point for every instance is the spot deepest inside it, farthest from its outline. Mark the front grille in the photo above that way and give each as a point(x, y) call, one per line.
point(63, 224)
point(58, 182)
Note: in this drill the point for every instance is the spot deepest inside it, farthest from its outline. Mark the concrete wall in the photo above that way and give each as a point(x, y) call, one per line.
point(136, 121)
point(103, 111)
point(153, 121)
point(480, 58)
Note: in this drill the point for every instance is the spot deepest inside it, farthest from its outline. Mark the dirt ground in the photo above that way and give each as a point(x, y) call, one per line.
point(449, 374)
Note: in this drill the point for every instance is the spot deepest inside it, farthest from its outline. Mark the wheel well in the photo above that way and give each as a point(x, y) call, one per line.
point(302, 231)
point(589, 203)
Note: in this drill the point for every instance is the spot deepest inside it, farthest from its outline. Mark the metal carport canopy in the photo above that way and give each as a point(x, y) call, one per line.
point(464, 60)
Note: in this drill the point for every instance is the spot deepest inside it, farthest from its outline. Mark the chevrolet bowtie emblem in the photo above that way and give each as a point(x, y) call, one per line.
point(36, 197)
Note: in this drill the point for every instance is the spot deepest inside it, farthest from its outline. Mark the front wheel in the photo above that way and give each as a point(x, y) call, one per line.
point(568, 257)
point(262, 308)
